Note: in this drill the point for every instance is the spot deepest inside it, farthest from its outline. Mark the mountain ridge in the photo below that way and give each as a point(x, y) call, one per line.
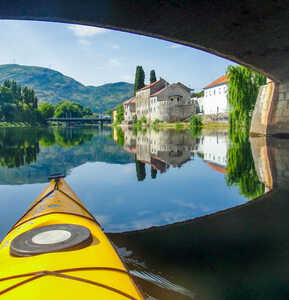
point(52, 86)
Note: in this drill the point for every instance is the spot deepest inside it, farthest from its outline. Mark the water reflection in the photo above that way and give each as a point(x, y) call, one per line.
point(240, 253)
point(207, 241)
point(30, 155)
point(230, 155)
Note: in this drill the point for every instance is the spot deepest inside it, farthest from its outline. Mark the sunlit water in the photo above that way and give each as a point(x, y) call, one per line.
point(137, 180)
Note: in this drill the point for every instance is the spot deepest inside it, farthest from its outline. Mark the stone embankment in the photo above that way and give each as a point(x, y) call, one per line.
point(215, 118)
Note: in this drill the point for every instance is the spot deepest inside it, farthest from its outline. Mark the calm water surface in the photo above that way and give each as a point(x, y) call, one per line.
point(156, 178)
point(132, 181)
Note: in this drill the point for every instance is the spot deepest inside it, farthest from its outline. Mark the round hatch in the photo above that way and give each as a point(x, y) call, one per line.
point(51, 238)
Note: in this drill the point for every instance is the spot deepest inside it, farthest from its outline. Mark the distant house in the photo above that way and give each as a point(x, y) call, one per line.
point(114, 113)
point(163, 101)
point(129, 110)
point(215, 97)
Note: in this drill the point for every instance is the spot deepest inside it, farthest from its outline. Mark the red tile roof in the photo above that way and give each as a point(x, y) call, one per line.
point(220, 80)
point(130, 100)
point(217, 168)
point(179, 84)
point(149, 85)
point(184, 86)
point(156, 93)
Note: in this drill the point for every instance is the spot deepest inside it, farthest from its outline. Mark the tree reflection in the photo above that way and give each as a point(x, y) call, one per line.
point(20, 146)
point(17, 148)
point(240, 166)
point(140, 170)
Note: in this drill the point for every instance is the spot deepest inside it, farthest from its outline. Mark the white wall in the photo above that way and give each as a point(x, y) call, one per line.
point(215, 149)
point(215, 99)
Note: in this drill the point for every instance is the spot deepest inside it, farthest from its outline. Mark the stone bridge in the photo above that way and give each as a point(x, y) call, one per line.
point(252, 33)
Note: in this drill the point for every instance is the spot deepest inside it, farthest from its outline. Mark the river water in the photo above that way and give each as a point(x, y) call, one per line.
point(178, 205)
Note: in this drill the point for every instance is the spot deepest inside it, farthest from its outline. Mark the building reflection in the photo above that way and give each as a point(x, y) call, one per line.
point(239, 253)
point(213, 147)
point(170, 148)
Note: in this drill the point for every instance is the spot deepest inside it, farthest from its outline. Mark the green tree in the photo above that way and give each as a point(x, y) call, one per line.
point(134, 119)
point(153, 77)
point(199, 94)
point(241, 167)
point(46, 110)
point(243, 89)
point(68, 109)
point(139, 79)
point(6, 103)
point(120, 136)
point(119, 113)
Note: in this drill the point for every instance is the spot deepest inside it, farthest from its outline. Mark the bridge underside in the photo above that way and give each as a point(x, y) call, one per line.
point(253, 33)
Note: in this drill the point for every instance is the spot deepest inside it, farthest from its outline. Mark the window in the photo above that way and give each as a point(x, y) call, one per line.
point(172, 99)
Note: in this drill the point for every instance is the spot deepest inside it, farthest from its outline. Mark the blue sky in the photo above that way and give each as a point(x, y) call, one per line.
point(95, 56)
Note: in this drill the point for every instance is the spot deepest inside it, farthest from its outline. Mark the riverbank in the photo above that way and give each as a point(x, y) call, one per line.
point(17, 124)
point(176, 126)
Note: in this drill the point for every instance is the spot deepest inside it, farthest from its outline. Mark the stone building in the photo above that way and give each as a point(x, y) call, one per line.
point(129, 110)
point(160, 149)
point(163, 101)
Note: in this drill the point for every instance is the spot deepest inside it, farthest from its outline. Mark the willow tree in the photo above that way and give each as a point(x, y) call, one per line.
point(243, 86)
point(241, 168)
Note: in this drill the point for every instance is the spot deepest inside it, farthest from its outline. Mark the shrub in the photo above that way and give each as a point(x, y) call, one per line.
point(196, 121)
point(179, 126)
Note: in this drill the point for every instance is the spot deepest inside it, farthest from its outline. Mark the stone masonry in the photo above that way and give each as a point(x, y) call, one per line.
point(271, 112)
point(164, 101)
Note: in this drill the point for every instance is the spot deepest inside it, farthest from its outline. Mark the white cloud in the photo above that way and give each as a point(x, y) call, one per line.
point(103, 220)
point(86, 31)
point(174, 46)
point(115, 46)
point(114, 62)
point(127, 78)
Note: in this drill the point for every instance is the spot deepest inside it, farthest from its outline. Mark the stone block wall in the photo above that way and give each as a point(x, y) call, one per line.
point(271, 161)
point(271, 113)
point(278, 122)
point(142, 103)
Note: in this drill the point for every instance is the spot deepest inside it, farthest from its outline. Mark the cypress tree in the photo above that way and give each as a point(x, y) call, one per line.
point(153, 77)
point(140, 170)
point(139, 79)
point(153, 173)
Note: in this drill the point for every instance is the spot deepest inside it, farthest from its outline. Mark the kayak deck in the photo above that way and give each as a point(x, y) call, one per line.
point(93, 271)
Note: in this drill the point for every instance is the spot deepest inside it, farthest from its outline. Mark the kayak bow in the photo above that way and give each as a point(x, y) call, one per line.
point(57, 250)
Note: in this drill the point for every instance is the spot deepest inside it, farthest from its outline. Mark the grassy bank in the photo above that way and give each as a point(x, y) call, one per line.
point(18, 124)
point(176, 126)
point(158, 125)
point(215, 125)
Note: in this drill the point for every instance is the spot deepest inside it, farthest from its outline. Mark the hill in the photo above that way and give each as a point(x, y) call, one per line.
point(52, 86)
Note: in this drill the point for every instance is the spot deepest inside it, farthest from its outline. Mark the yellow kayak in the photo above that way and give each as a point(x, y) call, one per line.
point(57, 250)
